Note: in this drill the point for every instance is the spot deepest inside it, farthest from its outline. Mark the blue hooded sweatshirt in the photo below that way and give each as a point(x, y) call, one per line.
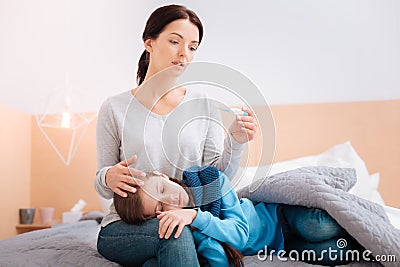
point(242, 224)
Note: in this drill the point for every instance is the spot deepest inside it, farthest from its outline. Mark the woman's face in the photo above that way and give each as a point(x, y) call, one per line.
point(160, 194)
point(174, 47)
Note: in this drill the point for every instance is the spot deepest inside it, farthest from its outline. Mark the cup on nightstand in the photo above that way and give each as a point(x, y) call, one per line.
point(26, 216)
point(46, 215)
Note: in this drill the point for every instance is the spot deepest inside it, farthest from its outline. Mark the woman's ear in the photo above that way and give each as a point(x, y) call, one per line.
point(148, 45)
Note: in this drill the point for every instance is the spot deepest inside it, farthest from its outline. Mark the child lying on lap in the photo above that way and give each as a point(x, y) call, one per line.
point(238, 226)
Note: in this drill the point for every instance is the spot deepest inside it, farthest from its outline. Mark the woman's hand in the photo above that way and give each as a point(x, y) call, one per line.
point(173, 218)
point(120, 177)
point(243, 128)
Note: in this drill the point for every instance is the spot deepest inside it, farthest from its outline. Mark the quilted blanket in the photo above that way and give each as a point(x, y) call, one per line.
point(326, 188)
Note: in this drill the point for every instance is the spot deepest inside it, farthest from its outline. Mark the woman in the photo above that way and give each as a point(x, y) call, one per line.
point(244, 226)
point(136, 132)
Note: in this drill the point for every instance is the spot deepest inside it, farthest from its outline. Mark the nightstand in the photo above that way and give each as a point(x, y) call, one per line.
point(24, 228)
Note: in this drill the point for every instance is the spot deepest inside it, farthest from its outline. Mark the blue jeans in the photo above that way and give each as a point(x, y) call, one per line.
point(137, 245)
point(311, 230)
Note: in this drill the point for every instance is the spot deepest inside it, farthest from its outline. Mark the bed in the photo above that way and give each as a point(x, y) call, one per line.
point(74, 244)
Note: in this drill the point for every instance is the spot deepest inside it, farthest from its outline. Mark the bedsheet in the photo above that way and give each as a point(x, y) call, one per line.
point(75, 245)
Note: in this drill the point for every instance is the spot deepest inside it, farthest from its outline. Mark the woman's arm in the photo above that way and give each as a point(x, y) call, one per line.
point(113, 174)
point(222, 153)
point(107, 148)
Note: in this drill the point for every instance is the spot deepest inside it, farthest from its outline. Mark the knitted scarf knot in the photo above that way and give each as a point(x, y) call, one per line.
point(205, 186)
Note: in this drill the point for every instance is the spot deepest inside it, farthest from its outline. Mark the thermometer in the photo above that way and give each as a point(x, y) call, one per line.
point(237, 111)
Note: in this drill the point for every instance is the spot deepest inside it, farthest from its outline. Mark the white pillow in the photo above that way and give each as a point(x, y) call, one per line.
point(342, 155)
point(375, 196)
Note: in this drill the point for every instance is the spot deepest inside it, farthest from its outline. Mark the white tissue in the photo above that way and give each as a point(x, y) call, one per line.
point(79, 205)
point(75, 214)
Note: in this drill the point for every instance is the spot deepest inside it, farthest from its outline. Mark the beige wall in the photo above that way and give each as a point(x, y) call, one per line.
point(54, 184)
point(373, 128)
point(15, 164)
point(35, 176)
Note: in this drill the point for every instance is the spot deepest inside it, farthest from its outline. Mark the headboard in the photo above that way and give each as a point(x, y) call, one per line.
point(373, 128)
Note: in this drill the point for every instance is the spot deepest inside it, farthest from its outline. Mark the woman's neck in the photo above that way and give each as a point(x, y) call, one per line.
point(157, 84)
point(159, 99)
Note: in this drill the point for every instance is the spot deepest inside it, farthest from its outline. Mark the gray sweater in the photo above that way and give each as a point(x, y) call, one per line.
point(192, 134)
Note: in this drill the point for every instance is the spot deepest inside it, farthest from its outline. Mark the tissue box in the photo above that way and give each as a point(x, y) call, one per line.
point(71, 216)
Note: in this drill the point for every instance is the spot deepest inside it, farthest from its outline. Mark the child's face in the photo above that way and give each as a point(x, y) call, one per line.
point(160, 194)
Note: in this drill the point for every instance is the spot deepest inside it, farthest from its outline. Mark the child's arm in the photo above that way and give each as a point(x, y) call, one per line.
point(232, 226)
point(171, 219)
point(210, 249)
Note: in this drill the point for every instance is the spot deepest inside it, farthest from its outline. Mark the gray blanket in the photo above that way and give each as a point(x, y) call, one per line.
point(66, 245)
point(326, 188)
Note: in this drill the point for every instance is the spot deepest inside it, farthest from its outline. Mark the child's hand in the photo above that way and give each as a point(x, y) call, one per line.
point(173, 218)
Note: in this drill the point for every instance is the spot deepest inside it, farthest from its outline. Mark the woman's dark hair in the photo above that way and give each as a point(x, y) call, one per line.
point(130, 209)
point(157, 21)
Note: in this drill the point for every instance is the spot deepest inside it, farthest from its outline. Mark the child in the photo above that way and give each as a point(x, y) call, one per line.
point(241, 225)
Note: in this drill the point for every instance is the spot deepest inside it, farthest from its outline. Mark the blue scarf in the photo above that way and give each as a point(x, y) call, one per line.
point(205, 186)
